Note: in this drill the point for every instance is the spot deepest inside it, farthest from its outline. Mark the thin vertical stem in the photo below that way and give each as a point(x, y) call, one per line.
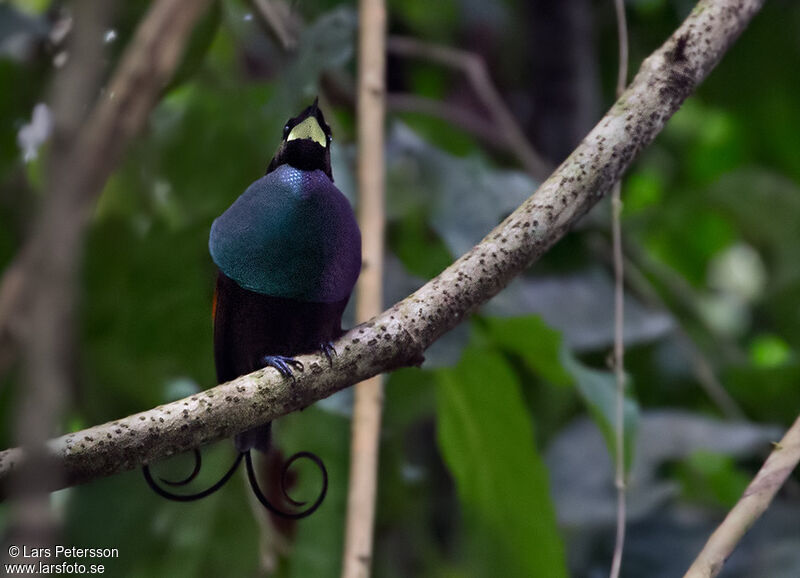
point(619, 313)
point(619, 373)
point(369, 294)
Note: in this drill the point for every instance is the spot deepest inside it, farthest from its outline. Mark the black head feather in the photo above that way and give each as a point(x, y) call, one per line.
point(306, 143)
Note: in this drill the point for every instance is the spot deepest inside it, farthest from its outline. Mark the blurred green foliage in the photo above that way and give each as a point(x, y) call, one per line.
point(712, 239)
point(712, 478)
point(510, 522)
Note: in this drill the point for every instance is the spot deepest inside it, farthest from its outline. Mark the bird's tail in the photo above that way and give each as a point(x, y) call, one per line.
point(257, 438)
point(260, 438)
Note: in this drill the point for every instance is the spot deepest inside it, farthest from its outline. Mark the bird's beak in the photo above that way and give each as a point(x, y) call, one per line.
point(309, 129)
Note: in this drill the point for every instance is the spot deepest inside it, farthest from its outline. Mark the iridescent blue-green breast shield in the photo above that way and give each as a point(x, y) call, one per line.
point(291, 234)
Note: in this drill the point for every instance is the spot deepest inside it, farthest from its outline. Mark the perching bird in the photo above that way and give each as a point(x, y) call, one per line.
point(288, 252)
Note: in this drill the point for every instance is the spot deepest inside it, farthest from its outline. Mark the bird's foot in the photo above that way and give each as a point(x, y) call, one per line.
point(327, 348)
point(285, 365)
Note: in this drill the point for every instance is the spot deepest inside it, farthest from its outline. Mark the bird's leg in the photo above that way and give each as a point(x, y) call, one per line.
point(285, 365)
point(327, 348)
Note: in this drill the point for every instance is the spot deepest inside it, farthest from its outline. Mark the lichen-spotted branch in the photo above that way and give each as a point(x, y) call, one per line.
point(400, 335)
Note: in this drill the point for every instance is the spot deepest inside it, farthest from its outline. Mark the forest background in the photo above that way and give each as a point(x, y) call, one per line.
point(493, 457)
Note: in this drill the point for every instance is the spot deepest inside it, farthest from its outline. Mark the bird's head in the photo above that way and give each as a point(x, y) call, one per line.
point(306, 142)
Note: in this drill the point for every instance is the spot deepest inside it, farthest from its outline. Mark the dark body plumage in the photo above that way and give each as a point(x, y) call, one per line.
point(288, 253)
point(249, 326)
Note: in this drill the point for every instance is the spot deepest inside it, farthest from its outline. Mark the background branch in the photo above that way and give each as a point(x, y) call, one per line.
point(399, 336)
point(753, 503)
point(48, 351)
point(474, 67)
point(57, 237)
point(619, 313)
point(278, 21)
point(368, 404)
point(458, 116)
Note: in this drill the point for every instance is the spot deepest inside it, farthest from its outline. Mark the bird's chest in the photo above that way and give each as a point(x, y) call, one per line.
point(291, 234)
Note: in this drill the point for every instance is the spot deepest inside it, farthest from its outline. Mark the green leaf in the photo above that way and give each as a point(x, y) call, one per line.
point(418, 15)
point(538, 345)
point(31, 6)
point(417, 246)
point(327, 44)
point(711, 232)
point(598, 390)
point(644, 189)
point(720, 147)
point(421, 174)
point(486, 439)
point(769, 351)
point(544, 352)
point(766, 394)
point(763, 206)
point(712, 478)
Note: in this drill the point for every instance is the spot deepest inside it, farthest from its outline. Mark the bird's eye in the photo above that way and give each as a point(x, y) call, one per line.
point(330, 138)
point(286, 130)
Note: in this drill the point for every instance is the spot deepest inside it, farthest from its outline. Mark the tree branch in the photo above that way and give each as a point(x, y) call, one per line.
point(400, 335)
point(368, 404)
point(118, 116)
point(754, 502)
point(48, 347)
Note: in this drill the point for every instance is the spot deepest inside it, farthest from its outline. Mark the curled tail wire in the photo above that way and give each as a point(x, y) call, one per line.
point(251, 476)
point(189, 497)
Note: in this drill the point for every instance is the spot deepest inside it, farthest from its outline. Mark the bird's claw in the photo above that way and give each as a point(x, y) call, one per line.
point(285, 365)
point(330, 352)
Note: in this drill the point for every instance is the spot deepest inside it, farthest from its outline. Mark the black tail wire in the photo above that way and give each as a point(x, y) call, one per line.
point(251, 476)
